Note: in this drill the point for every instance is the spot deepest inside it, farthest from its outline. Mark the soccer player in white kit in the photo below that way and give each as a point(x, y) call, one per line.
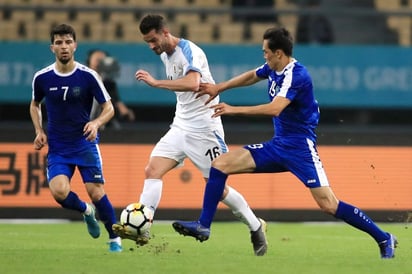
point(194, 134)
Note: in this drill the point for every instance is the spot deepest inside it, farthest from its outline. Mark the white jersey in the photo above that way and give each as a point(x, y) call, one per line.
point(191, 114)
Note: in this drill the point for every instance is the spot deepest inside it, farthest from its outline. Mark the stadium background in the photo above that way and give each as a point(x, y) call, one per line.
point(362, 82)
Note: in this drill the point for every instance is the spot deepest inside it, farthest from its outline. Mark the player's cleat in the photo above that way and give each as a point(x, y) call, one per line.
point(193, 229)
point(143, 239)
point(387, 247)
point(258, 238)
point(115, 247)
point(120, 231)
point(92, 224)
point(123, 233)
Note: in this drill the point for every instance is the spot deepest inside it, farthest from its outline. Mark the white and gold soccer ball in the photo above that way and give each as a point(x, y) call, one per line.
point(136, 218)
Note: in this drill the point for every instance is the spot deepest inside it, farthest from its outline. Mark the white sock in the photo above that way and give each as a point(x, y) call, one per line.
point(88, 210)
point(151, 194)
point(237, 203)
point(117, 240)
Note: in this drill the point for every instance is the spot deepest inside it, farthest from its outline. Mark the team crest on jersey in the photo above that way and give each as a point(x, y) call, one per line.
point(277, 89)
point(76, 91)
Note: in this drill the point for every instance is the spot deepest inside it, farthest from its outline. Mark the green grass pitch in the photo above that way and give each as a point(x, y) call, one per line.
point(293, 248)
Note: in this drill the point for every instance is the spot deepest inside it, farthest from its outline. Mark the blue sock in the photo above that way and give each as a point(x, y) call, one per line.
point(356, 218)
point(106, 214)
point(213, 193)
point(73, 202)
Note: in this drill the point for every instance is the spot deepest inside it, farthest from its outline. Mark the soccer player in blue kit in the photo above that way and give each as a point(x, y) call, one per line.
point(295, 115)
point(68, 88)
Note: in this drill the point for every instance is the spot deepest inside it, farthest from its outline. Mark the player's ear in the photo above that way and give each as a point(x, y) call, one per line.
point(166, 32)
point(52, 48)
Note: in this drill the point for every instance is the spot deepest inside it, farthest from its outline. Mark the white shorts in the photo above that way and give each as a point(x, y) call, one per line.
point(201, 148)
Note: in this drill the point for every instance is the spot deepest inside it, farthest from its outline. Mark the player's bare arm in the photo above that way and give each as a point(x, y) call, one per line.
point(190, 82)
point(91, 129)
point(41, 138)
point(212, 90)
point(245, 79)
point(273, 108)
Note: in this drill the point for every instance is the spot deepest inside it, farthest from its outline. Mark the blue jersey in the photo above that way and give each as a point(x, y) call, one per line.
point(300, 118)
point(293, 147)
point(68, 99)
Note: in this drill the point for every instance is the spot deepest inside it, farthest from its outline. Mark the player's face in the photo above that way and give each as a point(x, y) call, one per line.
point(63, 48)
point(271, 59)
point(157, 41)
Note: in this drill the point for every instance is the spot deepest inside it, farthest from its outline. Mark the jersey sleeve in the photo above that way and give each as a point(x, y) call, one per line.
point(37, 92)
point(111, 87)
point(194, 64)
point(194, 57)
point(99, 91)
point(263, 71)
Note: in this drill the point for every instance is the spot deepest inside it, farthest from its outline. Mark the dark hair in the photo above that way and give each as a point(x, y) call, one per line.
point(108, 67)
point(62, 29)
point(279, 38)
point(150, 22)
point(90, 53)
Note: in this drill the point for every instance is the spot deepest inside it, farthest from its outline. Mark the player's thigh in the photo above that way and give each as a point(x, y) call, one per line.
point(266, 157)
point(170, 146)
point(89, 164)
point(58, 177)
point(157, 167)
point(202, 148)
point(58, 165)
point(92, 174)
point(304, 162)
point(235, 161)
point(93, 180)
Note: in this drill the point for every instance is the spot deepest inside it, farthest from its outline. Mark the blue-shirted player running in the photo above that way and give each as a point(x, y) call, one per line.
point(67, 89)
point(293, 148)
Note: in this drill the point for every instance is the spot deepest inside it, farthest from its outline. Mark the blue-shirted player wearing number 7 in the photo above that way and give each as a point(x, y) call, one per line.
point(68, 89)
point(293, 148)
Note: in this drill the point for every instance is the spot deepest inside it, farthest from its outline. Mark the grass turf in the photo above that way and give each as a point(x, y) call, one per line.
point(293, 248)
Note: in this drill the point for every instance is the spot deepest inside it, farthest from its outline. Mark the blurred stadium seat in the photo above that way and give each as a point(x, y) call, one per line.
point(206, 21)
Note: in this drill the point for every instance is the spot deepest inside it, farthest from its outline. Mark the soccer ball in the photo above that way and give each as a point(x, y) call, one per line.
point(136, 218)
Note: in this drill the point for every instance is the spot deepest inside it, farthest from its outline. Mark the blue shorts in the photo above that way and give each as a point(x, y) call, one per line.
point(297, 155)
point(87, 160)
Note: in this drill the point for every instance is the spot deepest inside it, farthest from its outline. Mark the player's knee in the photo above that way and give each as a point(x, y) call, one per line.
point(157, 170)
point(59, 192)
point(220, 164)
point(95, 191)
point(149, 172)
point(328, 208)
point(59, 195)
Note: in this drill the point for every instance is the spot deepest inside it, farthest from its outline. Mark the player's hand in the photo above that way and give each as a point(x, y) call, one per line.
point(221, 109)
point(90, 130)
point(207, 88)
point(142, 75)
point(40, 141)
